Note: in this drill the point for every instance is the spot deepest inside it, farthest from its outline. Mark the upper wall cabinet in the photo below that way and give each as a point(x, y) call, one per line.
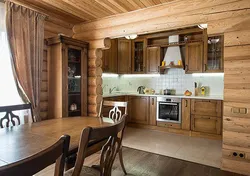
point(194, 57)
point(213, 58)
point(110, 58)
point(124, 56)
point(139, 55)
point(154, 55)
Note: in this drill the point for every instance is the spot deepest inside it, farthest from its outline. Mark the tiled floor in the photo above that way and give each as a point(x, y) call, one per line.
point(198, 150)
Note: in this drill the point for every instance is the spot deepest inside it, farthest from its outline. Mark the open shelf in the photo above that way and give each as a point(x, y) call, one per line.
point(174, 44)
point(170, 66)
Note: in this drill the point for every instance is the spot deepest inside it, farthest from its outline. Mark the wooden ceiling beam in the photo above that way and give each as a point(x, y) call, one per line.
point(170, 8)
point(148, 3)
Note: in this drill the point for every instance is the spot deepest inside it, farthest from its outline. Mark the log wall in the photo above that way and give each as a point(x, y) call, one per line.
point(231, 17)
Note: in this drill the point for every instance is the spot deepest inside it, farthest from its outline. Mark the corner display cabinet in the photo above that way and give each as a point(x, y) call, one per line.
point(67, 73)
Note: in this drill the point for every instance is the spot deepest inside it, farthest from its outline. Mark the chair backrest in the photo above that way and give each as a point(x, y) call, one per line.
point(109, 150)
point(115, 113)
point(10, 117)
point(35, 163)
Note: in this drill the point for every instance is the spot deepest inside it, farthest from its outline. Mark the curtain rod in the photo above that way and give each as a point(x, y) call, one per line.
point(28, 7)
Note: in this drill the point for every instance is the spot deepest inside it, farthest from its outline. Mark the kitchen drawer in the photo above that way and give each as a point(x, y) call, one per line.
point(169, 125)
point(206, 107)
point(206, 124)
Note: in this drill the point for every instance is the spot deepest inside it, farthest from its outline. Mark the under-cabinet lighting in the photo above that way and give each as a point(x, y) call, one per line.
point(207, 74)
point(140, 75)
point(109, 75)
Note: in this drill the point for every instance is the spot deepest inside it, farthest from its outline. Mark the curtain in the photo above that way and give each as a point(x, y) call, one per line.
point(25, 31)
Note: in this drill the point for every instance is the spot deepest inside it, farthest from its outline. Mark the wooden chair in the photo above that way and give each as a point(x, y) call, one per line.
point(108, 152)
point(115, 114)
point(10, 117)
point(35, 163)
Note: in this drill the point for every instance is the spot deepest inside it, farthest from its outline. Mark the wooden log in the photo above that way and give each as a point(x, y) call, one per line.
point(44, 96)
point(95, 90)
point(237, 38)
point(101, 43)
point(92, 109)
point(231, 165)
point(158, 24)
point(172, 8)
point(93, 63)
point(44, 106)
point(93, 114)
point(94, 99)
point(237, 53)
point(236, 124)
point(54, 28)
point(237, 95)
point(93, 72)
point(95, 53)
point(94, 81)
point(44, 86)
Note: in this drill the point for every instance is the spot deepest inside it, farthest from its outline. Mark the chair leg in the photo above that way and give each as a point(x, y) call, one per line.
point(121, 161)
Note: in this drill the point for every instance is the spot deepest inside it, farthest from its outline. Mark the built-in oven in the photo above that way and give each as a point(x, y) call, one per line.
point(169, 109)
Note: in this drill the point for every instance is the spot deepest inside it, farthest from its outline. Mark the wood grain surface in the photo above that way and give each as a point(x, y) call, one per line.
point(22, 141)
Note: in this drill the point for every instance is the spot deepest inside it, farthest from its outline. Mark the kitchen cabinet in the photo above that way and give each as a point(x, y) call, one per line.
point(206, 124)
point(194, 57)
point(152, 110)
point(154, 55)
point(186, 114)
point(124, 56)
point(110, 58)
point(139, 109)
point(67, 77)
point(206, 116)
point(213, 58)
point(139, 55)
point(206, 107)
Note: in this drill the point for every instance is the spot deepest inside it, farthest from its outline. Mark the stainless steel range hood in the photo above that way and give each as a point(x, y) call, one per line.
point(173, 53)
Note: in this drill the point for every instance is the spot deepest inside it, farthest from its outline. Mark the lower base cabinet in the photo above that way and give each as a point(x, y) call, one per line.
point(138, 109)
point(206, 124)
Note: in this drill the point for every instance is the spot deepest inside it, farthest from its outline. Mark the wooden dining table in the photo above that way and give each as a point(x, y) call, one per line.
point(22, 141)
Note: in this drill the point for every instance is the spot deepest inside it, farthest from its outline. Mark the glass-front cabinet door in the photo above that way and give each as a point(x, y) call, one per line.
point(74, 81)
point(138, 56)
point(214, 59)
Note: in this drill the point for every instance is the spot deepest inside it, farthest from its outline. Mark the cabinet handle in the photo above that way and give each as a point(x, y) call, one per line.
point(153, 102)
point(186, 103)
point(186, 68)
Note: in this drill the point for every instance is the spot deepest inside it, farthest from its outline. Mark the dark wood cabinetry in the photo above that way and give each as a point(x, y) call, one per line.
point(152, 110)
point(110, 58)
point(139, 55)
point(67, 72)
point(139, 109)
point(194, 57)
point(124, 56)
point(206, 116)
point(186, 114)
point(154, 55)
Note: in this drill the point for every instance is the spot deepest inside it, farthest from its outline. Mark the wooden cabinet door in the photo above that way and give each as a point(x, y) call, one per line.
point(206, 107)
point(152, 111)
point(153, 59)
point(194, 57)
point(186, 114)
point(110, 58)
point(138, 60)
point(138, 109)
point(206, 124)
point(124, 56)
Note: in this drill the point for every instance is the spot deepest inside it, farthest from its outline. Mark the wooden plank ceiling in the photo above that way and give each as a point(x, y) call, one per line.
point(77, 11)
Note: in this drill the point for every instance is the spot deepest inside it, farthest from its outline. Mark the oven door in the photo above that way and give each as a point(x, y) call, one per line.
point(169, 112)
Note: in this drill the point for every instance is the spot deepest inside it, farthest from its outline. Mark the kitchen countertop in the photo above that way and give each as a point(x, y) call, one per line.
point(210, 97)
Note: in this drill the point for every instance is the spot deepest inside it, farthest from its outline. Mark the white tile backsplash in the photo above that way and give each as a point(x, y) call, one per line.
point(174, 79)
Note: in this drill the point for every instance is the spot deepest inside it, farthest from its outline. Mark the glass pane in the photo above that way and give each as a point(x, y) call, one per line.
point(214, 57)
point(138, 60)
point(169, 112)
point(74, 82)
